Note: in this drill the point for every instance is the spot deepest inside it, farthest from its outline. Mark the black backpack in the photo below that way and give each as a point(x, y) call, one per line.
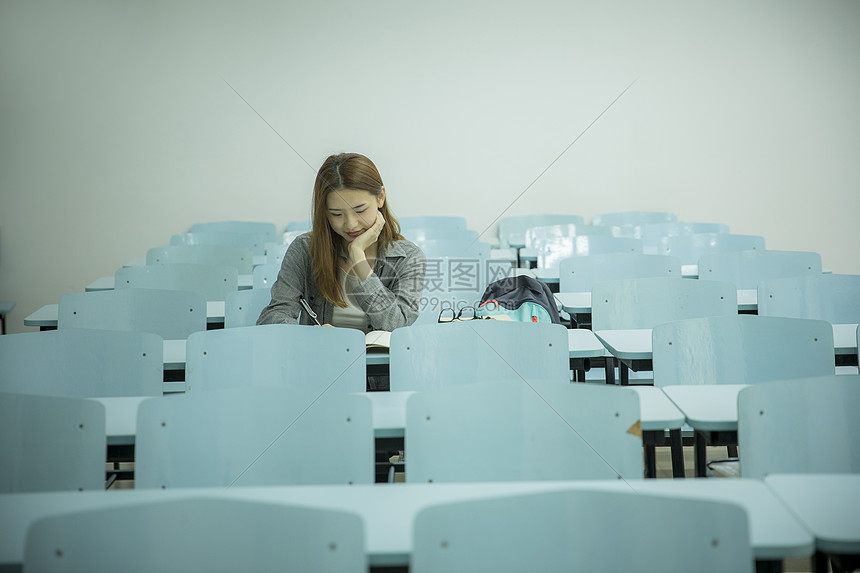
point(522, 298)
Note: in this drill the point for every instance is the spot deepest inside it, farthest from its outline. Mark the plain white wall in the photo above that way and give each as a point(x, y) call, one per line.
point(119, 126)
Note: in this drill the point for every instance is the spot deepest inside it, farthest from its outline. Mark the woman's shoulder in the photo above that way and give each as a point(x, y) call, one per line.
point(403, 248)
point(300, 248)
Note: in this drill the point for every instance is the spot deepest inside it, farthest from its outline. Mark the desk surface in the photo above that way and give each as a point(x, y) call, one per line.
point(580, 302)
point(826, 504)
point(49, 314)
point(389, 510)
point(141, 261)
point(635, 344)
point(707, 407)
point(389, 415)
point(108, 283)
point(632, 344)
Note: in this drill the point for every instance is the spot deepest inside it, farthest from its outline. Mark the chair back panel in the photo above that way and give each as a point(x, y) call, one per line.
point(645, 303)
point(245, 437)
point(742, 349)
point(51, 444)
point(805, 425)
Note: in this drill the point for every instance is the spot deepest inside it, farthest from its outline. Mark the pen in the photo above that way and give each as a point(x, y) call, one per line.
point(309, 310)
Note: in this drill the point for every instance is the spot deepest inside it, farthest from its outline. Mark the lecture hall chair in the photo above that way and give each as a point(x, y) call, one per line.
point(254, 437)
point(433, 221)
point(518, 224)
point(267, 230)
point(254, 241)
point(740, 349)
point(689, 248)
point(464, 249)
point(240, 257)
point(197, 534)
point(553, 251)
point(747, 268)
point(276, 355)
point(446, 277)
point(82, 363)
point(264, 276)
point(831, 297)
point(580, 274)
point(428, 356)
point(419, 235)
point(171, 314)
point(652, 234)
point(48, 443)
point(511, 430)
point(214, 281)
point(805, 425)
point(647, 302)
point(633, 218)
point(243, 308)
point(582, 530)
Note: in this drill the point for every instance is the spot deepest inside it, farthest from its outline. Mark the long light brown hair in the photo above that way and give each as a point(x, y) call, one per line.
point(343, 171)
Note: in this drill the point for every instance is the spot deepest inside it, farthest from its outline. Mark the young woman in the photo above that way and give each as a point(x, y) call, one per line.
point(354, 269)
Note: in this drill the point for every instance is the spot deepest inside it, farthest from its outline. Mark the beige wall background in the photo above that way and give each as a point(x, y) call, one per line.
point(122, 123)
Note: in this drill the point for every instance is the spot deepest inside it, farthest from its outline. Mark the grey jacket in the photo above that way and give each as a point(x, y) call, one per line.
point(389, 296)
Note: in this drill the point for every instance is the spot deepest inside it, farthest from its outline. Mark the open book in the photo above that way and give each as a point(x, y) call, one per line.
point(380, 339)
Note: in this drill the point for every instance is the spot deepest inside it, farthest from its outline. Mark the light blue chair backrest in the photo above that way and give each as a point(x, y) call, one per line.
point(213, 281)
point(742, 349)
point(419, 235)
point(303, 226)
point(834, 298)
point(276, 355)
point(251, 437)
point(806, 426)
point(633, 218)
point(518, 224)
point(439, 355)
point(199, 533)
point(267, 230)
point(652, 233)
point(264, 276)
point(82, 363)
point(291, 236)
point(243, 308)
point(747, 268)
point(689, 248)
point(51, 444)
point(570, 531)
point(433, 221)
point(445, 278)
point(464, 249)
point(275, 254)
point(254, 241)
point(552, 252)
point(171, 314)
point(510, 430)
point(580, 274)
point(432, 304)
point(240, 257)
point(645, 303)
point(535, 237)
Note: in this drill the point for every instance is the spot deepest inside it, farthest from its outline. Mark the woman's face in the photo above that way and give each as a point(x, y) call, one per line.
point(351, 212)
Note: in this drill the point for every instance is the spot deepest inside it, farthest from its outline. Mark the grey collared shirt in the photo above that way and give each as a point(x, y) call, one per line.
point(389, 296)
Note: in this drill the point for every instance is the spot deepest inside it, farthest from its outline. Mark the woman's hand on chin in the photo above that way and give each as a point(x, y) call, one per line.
point(361, 243)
